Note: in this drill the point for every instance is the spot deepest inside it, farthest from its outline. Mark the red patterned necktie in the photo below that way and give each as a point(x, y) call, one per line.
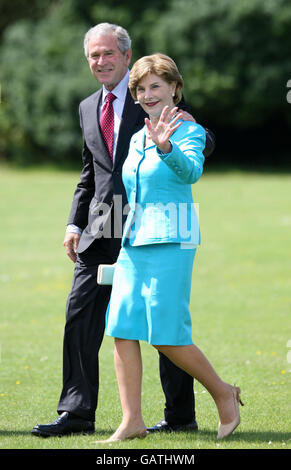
point(107, 122)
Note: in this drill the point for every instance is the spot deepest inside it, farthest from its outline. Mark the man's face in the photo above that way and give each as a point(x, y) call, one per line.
point(106, 61)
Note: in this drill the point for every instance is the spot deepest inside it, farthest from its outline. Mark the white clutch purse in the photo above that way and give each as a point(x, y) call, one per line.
point(105, 274)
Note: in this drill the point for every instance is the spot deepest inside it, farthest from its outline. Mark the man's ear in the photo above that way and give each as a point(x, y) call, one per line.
point(128, 56)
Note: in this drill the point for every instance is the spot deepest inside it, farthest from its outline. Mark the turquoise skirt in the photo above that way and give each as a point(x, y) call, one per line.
point(151, 293)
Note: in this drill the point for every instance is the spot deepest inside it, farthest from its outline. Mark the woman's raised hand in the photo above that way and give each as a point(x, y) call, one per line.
point(162, 131)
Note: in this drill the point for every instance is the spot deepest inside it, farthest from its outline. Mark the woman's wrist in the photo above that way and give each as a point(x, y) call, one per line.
point(166, 148)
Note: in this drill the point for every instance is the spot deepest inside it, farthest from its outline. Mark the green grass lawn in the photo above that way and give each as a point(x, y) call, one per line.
point(240, 304)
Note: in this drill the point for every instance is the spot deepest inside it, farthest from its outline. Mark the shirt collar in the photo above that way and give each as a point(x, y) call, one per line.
point(120, 90)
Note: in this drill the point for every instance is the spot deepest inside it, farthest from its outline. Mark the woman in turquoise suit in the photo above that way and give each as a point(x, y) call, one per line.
point(152, 279)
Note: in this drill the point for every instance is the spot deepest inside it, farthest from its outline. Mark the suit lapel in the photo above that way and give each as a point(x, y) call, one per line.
point(93, 132)
point(130, 115)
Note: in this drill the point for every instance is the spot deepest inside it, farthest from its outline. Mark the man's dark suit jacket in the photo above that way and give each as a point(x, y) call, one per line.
point(100, 180)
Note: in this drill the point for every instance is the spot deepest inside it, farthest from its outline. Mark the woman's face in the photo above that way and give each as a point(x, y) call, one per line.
point(153, 93)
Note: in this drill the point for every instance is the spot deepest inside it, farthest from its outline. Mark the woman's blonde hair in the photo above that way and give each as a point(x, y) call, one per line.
point(160, 65)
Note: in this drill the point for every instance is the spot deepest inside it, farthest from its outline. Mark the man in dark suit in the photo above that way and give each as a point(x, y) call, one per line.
point(93, 238)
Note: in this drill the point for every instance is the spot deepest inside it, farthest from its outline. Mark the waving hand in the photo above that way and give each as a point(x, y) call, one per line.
point(162, 131)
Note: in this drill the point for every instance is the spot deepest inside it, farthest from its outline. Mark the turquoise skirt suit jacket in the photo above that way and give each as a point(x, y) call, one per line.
point(158, 187)
point(153, 274)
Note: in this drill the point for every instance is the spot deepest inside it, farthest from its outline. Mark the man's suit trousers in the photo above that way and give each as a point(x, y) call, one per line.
point(178, 389)
point(84, 330)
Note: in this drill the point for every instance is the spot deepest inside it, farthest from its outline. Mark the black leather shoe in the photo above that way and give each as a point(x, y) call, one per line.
point(163, 426)
point(66, 423)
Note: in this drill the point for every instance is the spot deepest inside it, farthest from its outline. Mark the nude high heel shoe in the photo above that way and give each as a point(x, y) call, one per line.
point(225, 430)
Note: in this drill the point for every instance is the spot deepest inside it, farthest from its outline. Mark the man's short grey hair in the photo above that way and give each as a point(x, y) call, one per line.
point(103, 29)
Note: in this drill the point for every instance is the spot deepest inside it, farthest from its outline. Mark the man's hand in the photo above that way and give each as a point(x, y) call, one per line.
point(71, 243)
point(186, 116)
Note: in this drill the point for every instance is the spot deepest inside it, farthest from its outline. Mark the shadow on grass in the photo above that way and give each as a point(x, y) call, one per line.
point(265, 437)
point(12, 433)
point(249, 436)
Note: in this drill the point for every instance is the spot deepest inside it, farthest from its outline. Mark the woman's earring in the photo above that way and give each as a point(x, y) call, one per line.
point(173, 94)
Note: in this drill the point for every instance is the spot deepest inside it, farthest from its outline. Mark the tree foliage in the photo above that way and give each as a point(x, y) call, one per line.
point(13, 11)
point(234, 58)
point(44, 78)
point(233, 55)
